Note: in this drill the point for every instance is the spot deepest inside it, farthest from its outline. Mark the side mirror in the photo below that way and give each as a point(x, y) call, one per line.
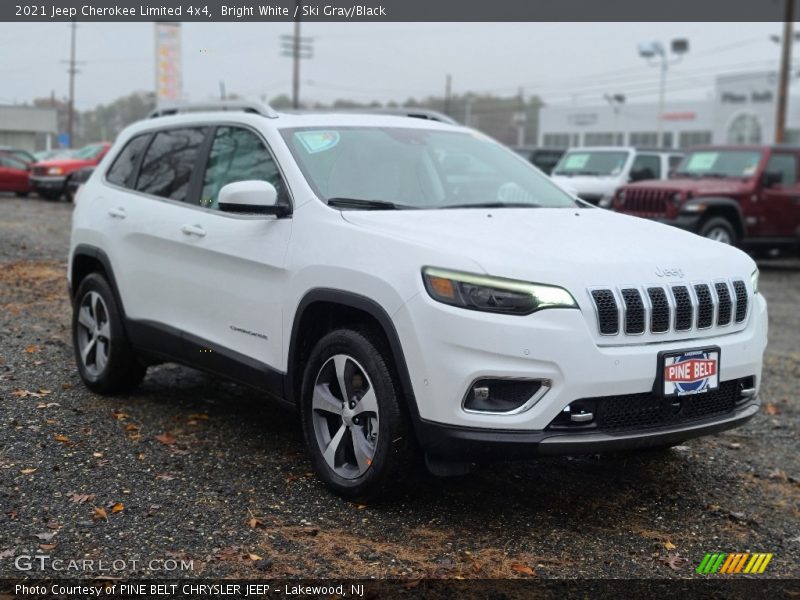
point(771, 179)
point(251, 197)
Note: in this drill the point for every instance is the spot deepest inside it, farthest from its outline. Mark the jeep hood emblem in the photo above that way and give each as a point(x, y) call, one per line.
point(669, 272)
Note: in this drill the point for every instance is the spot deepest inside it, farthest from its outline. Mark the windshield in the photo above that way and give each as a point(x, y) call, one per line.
point(592, 162)
point(391, 167)
point(88, 152)
point(720, 163)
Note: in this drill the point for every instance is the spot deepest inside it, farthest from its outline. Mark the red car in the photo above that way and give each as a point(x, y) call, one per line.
point(49, 178)
point(747, 196)
point(14, 175)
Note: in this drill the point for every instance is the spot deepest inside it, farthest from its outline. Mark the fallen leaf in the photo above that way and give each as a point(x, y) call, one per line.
point(100, 513)
point(166, 438)
point(28, 471)
point(669, 545)
point(31, 349)
point(252, 556)
point(66, 386)
point(254, 523)
point(674, 561)
point(523, 569)
point(198, 417)
point(771, 409)
point(165, 477)
point(19, 393)
point(48, 405)
point(119, 416)
point(45, 537)
point(118, 507)
point(131, 427)
point(81, 498)
point(734, 445)
point(62, 438)
point(778, 474)
point(361, 506)
point(97, 454)
point(47, 547)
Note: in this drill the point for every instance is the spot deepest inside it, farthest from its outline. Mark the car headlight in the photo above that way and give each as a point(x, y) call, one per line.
point(754, 281)
point(493, 294)
point(54, 171)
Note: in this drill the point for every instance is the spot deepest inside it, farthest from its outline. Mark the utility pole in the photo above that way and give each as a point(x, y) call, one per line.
point(72, 72)
point(297, 48)
point(448, 87)
point(783, 81)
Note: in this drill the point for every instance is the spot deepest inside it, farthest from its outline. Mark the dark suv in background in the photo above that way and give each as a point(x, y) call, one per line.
point(545, 159)
point(747, 196)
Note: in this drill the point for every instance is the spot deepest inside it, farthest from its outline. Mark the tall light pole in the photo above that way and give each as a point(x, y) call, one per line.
point(656, 50)
point(616, 101)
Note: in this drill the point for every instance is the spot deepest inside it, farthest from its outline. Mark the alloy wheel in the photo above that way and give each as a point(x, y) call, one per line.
point(94, 334)
point(345, 416)
point(719, 234)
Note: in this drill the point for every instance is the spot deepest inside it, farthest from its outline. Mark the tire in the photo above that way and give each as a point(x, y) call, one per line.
point(719, 229)
point(69, 194)
point(376, 450)
point(106, 362)
point(22, 194)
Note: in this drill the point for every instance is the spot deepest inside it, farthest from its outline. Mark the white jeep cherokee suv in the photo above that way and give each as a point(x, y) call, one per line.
point(411, 286)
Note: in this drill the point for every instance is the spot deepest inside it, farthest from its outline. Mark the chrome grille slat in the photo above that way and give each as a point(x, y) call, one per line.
point(676, 307)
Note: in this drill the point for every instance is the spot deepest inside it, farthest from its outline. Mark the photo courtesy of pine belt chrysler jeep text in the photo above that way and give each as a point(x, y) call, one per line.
point(412, 287)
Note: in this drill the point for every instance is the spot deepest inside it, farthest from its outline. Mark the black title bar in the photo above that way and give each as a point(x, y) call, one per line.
point(396, 10)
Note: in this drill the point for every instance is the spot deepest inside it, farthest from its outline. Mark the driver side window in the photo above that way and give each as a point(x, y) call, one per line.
point(238, 155)
point(784, 165)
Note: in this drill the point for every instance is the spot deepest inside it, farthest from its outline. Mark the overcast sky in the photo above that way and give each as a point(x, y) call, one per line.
point(561, 62)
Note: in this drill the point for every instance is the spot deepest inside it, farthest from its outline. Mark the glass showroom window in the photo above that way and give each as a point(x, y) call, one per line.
point(745, 129)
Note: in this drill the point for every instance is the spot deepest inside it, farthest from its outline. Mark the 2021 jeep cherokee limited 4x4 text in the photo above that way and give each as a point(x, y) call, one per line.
point(742, 195)
point(410, 286)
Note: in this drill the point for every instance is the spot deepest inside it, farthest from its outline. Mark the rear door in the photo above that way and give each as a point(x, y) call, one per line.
point(780, 210)
point(234, 264)
point(150, 182)
point(13, 175)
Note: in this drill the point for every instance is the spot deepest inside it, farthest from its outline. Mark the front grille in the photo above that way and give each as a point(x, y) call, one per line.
point(39, 171)
point(679, 308)
point(741, 300)
point(659, 305)
point(642, 411)
point(634, 311)
point(705, 306)
point(607, 313)
point(646, 202)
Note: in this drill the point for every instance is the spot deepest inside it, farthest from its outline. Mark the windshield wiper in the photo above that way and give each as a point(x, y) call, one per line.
point(496, 205)
point(360, 203)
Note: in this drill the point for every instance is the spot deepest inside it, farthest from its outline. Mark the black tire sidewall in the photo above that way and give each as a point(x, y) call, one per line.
point(392, 428)
point(121, 368)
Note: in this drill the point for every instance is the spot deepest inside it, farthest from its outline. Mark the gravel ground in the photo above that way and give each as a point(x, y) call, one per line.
point(195, 469)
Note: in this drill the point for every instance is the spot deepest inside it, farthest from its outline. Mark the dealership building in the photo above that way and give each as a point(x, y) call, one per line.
point(740, 111)
point(27, 127)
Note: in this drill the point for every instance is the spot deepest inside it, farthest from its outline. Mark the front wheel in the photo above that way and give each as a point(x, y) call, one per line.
point(720, 230)
point(106, 362)
point(357, 432)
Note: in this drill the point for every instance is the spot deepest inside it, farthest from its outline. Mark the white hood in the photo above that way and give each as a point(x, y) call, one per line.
point(574, 248)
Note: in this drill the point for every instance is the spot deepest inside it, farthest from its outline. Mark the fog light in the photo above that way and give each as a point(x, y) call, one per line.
point(504, 396)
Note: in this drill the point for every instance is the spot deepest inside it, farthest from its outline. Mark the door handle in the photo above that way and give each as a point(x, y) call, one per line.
point(193, 230)
point(117, 213)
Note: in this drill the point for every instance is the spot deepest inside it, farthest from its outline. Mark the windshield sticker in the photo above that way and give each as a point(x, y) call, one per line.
point(576, 161)
point(318, 141)
point(702, 161)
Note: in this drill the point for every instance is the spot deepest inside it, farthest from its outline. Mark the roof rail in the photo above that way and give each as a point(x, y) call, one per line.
point(259, 108)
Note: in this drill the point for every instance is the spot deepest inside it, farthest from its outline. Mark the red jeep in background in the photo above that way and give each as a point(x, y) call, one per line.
point(49, 178)
point(747, 196)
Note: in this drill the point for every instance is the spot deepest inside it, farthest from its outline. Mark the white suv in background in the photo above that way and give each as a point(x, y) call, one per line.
point(410, 286)
point(594, 173)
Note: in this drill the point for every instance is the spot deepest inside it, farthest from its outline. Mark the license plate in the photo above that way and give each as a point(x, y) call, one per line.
point(689, 371)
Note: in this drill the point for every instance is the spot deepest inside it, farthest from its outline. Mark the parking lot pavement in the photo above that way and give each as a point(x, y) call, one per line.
point(193, 469)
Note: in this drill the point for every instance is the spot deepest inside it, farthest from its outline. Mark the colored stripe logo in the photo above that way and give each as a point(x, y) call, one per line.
point(734, 563)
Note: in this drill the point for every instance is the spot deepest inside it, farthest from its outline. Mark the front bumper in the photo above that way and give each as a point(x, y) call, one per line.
point(461, 443)
point(49, 184)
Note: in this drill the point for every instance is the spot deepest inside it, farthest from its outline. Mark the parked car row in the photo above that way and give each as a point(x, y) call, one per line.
point(51, 174)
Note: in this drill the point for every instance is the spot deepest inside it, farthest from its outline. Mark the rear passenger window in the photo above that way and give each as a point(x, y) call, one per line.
point(122, 171)
point(238, 155)
point(169, 162)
